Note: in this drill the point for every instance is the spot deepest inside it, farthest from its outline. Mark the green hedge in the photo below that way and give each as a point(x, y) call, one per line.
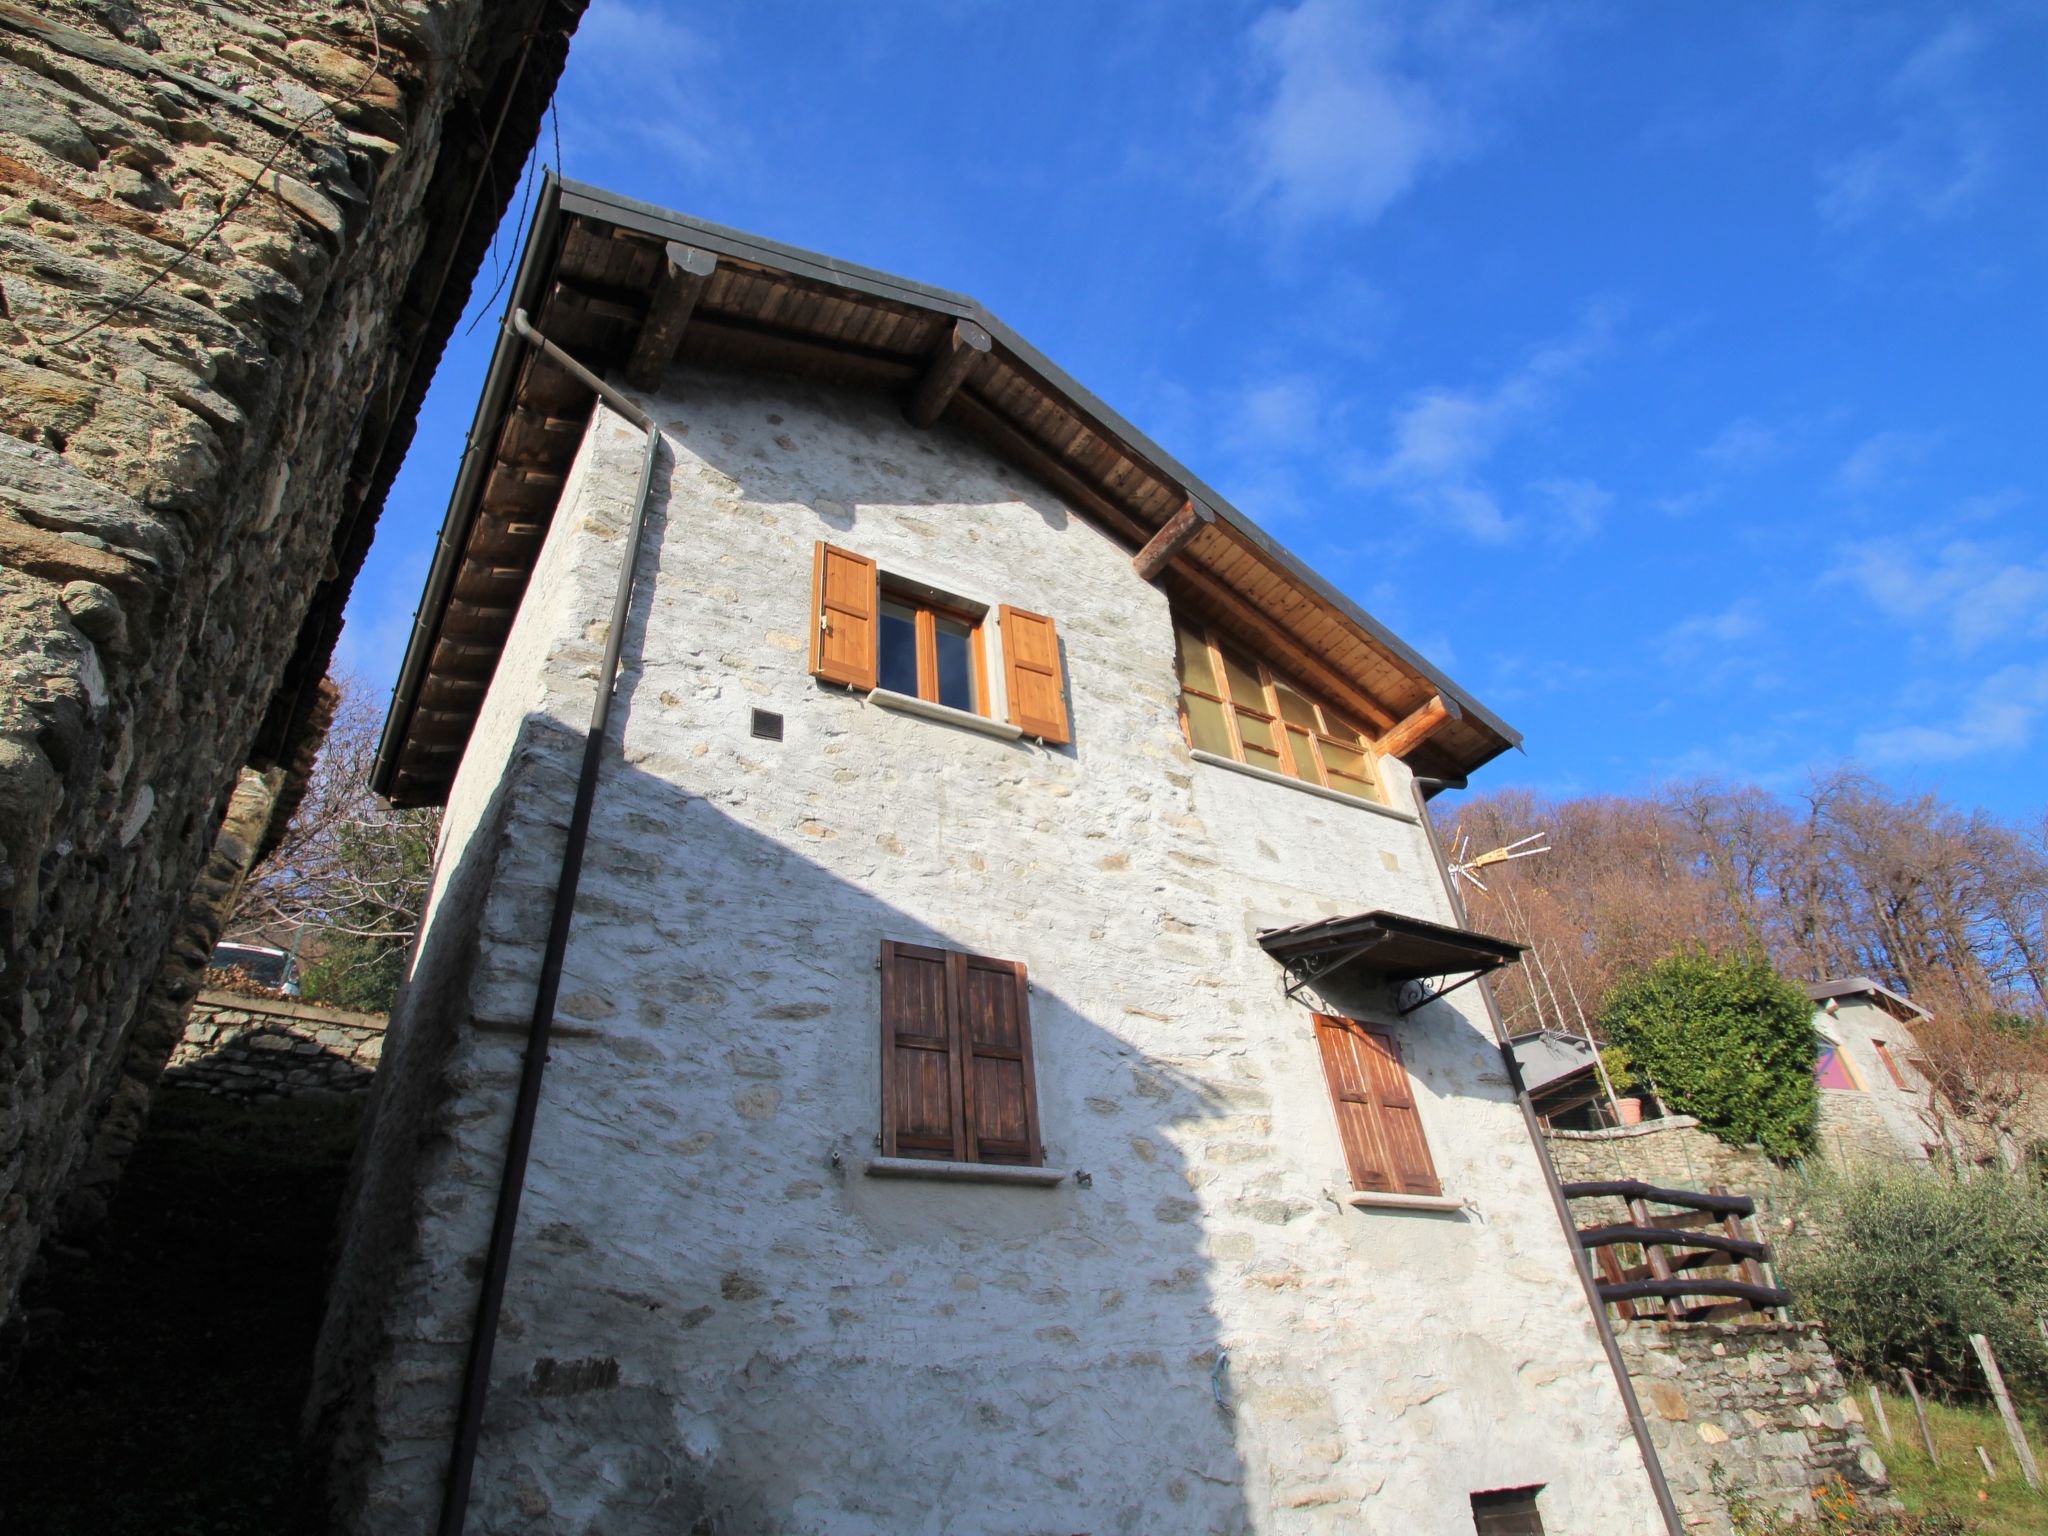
point(1724, 1038)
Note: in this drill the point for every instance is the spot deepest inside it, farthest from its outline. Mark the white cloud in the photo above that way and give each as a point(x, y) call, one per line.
point(1939, 147)
point(1580, 505)
point(1744, 443)
point(1277, 415)
point(1441, 439)
point(1364, 101)
point(1706, 633)
point(1977, 591)
point(1876, 463)
point(634, 84)
point(1999, 716)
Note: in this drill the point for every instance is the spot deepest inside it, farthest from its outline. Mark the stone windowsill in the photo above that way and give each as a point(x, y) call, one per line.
point(1376, 1199)
point(945, 714)
point(1270, 777)
point(962, 1173)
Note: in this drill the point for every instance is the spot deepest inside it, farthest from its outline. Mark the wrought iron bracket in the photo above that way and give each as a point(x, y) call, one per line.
point(1430, 995)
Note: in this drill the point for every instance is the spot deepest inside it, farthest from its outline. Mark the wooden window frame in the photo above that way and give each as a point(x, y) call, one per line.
point(966, 1141)
point(927, 612)
point(1381, 1140)
point(1285, 731)
point(1891, 1067)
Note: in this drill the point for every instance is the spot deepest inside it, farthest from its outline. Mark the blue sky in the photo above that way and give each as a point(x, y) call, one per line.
point(1673, 375)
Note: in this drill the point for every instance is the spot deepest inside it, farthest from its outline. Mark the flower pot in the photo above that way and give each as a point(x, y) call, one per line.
point(1631, 1111)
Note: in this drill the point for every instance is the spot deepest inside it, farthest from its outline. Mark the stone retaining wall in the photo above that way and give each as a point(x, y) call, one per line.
point(258, 1049)
point(1763, 1401)
point(231, 247)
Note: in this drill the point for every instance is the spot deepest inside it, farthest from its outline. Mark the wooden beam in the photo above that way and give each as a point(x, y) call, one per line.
point(1412, 732)
point(952, 360)
point(1278, 646)
point(1034, 457)
point(729, 342)
point(676, 293)
point(1179, 532)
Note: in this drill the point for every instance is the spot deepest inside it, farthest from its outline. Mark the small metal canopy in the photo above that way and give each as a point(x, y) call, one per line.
point(1388, 946)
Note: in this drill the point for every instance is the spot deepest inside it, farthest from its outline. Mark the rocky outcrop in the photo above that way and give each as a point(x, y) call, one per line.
point(232, 243)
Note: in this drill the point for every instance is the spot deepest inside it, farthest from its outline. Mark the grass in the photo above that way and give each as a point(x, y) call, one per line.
point(166, 1403)
point(2008, 1507)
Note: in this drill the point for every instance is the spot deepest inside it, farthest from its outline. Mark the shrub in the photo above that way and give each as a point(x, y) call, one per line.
point(1902, 1265)
point(1726, 1039)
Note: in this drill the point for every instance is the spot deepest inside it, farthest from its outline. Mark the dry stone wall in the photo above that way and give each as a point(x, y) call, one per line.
point(231, 243)
point(1761, 1402)
point(258, 1049)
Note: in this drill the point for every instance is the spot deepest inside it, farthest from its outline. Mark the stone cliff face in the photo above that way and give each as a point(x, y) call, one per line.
point(232, 243)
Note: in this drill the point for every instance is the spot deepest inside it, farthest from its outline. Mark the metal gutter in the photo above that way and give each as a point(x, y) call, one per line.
point(483, 1335)
point(1659, 1486)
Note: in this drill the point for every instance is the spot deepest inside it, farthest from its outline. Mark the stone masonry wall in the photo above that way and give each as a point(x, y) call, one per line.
point(1206, 1335)
point(1762, 1401)
point(227, 240)
point(258, 1050)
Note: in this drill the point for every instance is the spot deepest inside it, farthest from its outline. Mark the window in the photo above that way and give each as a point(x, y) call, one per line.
point(1236, 707)
point(1507, 1512)
point(1376, 1115)
point(957, 1078)
point(1891, 1067)
point(932, 653)
point(1831, 1067)
point(871, 632)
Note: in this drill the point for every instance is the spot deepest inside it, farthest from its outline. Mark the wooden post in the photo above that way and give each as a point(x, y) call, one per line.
point(1990, 1472)
point(2013, 1429)
point(1877, 1408)
point(1920, 1412)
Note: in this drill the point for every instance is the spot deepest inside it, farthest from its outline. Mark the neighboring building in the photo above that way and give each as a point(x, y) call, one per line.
point(997, 1082)
point(232, 247)
point(1874, 1097)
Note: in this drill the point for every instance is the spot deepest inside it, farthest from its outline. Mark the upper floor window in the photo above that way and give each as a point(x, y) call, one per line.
point(874, 632)
point(1237, 707)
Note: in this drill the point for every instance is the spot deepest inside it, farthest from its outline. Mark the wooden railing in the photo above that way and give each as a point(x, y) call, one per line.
point(1700, 1251)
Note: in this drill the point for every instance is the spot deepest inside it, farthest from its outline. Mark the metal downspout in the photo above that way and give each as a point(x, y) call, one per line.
point(483, 1334)
point(1673, 1525)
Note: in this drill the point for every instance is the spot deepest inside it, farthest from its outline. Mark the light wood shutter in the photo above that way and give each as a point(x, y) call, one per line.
point(1376, 1114)
point(845, 607)
point(1001, 1104)
point(1031, 672)
point(921, 1069)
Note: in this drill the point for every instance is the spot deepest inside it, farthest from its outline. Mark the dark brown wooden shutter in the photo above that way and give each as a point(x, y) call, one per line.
point(921, 1069)
point(1351, 1092)
point(1031, 673)
point(1376, 1114)
point(845, 607)
point(1000, 1098)
point(1400, 1121)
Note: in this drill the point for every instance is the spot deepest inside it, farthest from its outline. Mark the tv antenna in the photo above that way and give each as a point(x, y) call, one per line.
point(1464, 863)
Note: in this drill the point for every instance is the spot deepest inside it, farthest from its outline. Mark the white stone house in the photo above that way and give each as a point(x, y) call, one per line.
point(1874, 1097)
point(996, 1081)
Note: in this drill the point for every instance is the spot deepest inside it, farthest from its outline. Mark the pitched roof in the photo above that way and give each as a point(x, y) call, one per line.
point(600, 273)
point(1901, 1008)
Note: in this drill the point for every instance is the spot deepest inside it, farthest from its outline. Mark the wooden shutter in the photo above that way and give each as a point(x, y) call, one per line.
point(845, 608)
point(921, 1068)
point(1031, 672)
point(994, 1038)
point(1376, 1115)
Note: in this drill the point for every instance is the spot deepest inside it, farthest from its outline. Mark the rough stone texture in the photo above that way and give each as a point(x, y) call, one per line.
point(186, 490)
point(1888, 1120)
point(1765, 1402)
point(250, 1048)
point(713, 1316)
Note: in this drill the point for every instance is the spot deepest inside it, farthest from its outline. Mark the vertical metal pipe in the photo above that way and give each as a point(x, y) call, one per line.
point(1636, 1422)
point(483, 1334)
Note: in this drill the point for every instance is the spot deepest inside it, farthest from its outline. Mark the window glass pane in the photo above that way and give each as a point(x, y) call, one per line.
point(1828, 1071)
point(1206, 727)
point(956, 664)
point(1336, 725)
point(1344, 760)
point(1195, 668)
point(897, 668)
point(1257, 733)
point(1245, 687)
point(1292, 705)
point(1302, 763)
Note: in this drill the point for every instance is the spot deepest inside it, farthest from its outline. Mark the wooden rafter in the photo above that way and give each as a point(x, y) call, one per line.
point(1179, 532)
point(1405, 736)
point(676, 293)
point(952, 360)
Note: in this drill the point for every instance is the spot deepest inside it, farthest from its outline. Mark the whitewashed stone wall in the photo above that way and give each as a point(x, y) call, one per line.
point(713, 1315)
